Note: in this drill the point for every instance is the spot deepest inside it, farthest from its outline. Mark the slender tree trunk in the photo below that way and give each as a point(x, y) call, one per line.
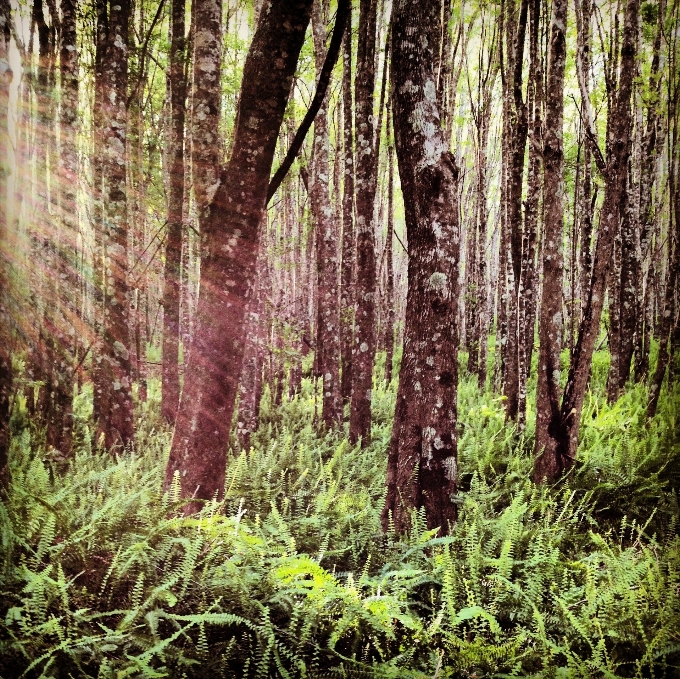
point(516, 128)
point(137, 181)
point(668, 320)
point(5, 302)
point(480, 299)
point(363, 349)
point(230, 239)
point(614, 308)
point(424, 431)
point(389, 255)
point(529, 278)
point(41, 354)
point(250, 383)
point(583, 13)
point(348, 235)
point(98, 374)
point(472, 266)
point(616, 172)
point(550, 319)
point(630, 263)
point(66, 281)
point(173, 234)
point(651, 142)
point(665, 334)
point(328, 331)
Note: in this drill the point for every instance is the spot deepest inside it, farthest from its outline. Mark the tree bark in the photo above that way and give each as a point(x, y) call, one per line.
point(229, 236)
point(364, 347)
point(529, 273)
point(173, 234)
point(668, 320)
point(348, 235)
point(5, 302)
point(422, 463)
point(328, 331)
point(250, 382)
point(98, 285)
point(616, 171)
point(389, 255)
point(550, 319)
point(205, 98)
point(63, 307)
point(116, 417)
point(41, 355)
point(652, 140)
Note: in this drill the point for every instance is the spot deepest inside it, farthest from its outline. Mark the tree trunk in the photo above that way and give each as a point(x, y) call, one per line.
point(66, 326)
point(205, 97)
point(328, 331)
point(550, 319)
point(389, 255)
point(516, 128)
point(348, 235)
point(173, 234)
point(98, 285)
point(614, 308)
point(250, 383)
point(229, 241)
point(424, 431)
point(116, 418)
point(616, 172)
point(668, 321)
point(528, 277)
point(5, 302)
point(478, 296)
point(651, 142)
point(41, 355)
point(363, 349)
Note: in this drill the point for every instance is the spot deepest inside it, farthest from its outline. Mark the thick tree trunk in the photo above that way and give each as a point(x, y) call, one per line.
point(424, 431)
point(363, 349)
point(5, 302)
point(328, 331)
point(348, 235)
point(616, 172)
point(205, 98)
point(173, 237)
point(550, 319)
point(116, 417)
point(230, 239)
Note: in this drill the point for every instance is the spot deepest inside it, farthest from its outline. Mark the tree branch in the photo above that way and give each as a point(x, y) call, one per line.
point(321, 88)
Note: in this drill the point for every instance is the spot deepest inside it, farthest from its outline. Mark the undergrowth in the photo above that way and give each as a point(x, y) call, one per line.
point(291, 576)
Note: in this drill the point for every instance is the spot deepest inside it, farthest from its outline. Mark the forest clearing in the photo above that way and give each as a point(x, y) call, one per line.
point(339, 338)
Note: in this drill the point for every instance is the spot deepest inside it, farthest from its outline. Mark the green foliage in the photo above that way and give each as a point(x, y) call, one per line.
point(291, 576)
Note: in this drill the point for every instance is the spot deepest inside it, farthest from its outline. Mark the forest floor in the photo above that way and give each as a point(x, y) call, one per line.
point(291, 575)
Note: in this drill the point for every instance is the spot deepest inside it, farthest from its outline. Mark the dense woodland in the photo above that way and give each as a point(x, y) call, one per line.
point(339, 338)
